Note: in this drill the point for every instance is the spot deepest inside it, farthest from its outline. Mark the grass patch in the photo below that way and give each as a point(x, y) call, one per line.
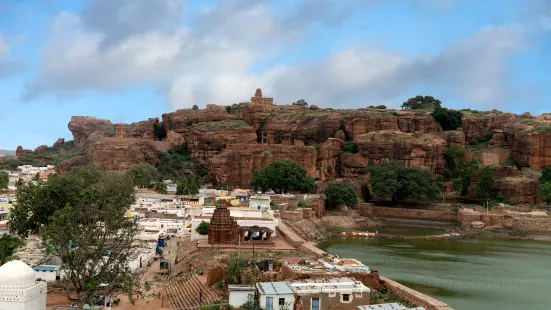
point(541, 128)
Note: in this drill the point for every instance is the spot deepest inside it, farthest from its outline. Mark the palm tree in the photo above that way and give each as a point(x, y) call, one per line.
point(8, 245)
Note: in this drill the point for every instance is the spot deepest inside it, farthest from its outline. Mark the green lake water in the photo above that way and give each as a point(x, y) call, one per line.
point(466, 274)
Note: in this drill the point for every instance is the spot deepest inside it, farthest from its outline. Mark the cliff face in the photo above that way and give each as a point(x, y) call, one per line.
point(119, 154)
point(235, 142)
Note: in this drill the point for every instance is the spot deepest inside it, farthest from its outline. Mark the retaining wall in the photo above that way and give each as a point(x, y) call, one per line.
point(414, 296)
point(368, 209)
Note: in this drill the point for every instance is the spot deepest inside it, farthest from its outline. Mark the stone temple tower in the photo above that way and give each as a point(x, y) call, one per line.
point(258, 99)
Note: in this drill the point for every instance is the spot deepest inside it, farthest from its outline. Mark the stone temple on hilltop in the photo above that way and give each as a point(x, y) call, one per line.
point(18, 288)
point(258, 99)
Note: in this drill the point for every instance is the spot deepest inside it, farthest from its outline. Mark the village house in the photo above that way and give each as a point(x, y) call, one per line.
point(314, 294)
point(259, 202)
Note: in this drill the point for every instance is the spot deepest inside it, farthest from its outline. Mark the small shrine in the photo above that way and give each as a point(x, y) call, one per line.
point(223, 228)
point(258, 99)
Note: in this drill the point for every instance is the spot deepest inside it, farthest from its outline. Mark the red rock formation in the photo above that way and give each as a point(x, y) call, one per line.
point(40, 148)
point(423, 150)
point(66, 165)
point(20, 151)
point(142, 130)
point(328, 158)
point(478, 127)
point(85, 127)
point(59, 142)
point(174, 139)
point(237, 163)
point(119, 154)
point(178, 121)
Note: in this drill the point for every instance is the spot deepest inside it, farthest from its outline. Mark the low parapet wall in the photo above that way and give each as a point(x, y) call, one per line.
point(290, 236)
point(368, 209)
point(414, 296)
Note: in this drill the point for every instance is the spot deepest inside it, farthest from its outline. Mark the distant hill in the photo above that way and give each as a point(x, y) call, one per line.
point(7, 152)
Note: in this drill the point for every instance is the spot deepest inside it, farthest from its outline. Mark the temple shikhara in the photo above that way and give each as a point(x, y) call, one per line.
point(223, 229)
point(258, 99)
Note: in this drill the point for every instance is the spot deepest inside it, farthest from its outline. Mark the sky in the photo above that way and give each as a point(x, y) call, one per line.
point(129, 60)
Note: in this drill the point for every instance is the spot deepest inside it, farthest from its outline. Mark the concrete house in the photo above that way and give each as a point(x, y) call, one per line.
point(334, 293)
point(275, 296)
point(259, 202)
point(240, 294)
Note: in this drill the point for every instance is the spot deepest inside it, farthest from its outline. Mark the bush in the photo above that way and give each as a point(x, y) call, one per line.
point(395, 113)
point(447, 118)
point(228, 109)
point(203, 228)
point(349, 147)
point(329, 169)
point(195, 107)
point(422, 102)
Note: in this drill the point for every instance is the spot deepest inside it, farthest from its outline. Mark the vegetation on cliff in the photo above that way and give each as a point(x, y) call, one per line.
point(220, 125)
point(177, 161)
point(283, 176)
point(421, 102)
point(545, 185)
point(391, 180)
point(447, 118)
point(81, 217)
point(49, 156)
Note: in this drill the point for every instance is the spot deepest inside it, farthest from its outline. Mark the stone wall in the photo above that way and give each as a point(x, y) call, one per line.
point(532, 224)
point(368, 209)
point(414, 296)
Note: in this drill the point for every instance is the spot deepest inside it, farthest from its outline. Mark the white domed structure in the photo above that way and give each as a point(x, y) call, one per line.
point(18, 288)
point(18, 273)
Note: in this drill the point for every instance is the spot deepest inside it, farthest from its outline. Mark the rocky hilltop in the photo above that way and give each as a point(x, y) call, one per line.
point(233, 142)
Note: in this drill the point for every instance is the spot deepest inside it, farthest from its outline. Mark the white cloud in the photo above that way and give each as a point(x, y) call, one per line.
point(213, 61)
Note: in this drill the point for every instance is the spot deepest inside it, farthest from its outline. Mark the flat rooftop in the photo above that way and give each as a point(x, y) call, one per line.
point(274, 288)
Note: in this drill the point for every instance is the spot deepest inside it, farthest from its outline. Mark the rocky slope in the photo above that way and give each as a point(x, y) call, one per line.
point(233, 145)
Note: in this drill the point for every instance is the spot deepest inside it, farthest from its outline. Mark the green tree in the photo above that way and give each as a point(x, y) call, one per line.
point(455, 159)
point(301, 102)
point(485, 184)
point(203, 228)
point(349, 147)
point(422, 102)
point(377, 107)
point(8, 245)
point(545, 192)
point(340, 193)
point(228, 109)
point(447, 118)
point(4, 179)
point(394, 181)
point(283, 176)
point(545, 175)
point(143, 175)
point(195, 107)
point(465, 175)
point(160, 187)
point(188, 185)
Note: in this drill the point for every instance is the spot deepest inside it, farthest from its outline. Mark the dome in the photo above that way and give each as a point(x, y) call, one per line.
point(16, 272)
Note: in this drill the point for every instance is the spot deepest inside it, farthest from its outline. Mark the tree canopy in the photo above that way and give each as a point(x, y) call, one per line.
point(545, 192)
point(382, 106)
point(485, 184)
point(143, 175)
point(545, 175)
point(455, 159)
point(301, 102)
point(188, 185)
point(283, 176)
point(340, 193)
point(4, 179)
point(8, 245)
point(447, 118)
point(202, 228)
point(195, 107)
point(349, 147)
point(422, 102)
point(393, 181)
point(82, 221)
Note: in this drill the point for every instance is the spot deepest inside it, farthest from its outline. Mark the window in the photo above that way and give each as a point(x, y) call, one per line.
point(282, 301)
point(345, 298)
point(315, 304)
point(269, 303)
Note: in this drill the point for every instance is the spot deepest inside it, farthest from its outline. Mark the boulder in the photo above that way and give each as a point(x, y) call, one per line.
point(59, 142)
point(82, 127)
point(20, 151)
point(40, 148)
point(477, 224)
point(66, 165)
point(141, 130)
point(174, 139)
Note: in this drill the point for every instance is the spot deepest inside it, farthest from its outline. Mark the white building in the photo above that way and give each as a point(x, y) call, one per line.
point(259, 202)
point(18, 288)
point(240, 294)
point(275, 295)
point(48, 273)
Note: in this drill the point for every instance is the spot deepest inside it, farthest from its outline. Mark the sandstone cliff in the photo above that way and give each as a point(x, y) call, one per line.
point(235, 142)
